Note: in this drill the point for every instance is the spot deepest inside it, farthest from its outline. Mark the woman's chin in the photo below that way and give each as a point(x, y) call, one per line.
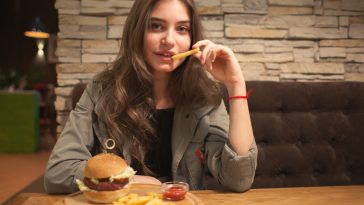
point(165, 68)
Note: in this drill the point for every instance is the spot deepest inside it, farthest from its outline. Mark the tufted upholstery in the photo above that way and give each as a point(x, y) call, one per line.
point(308, 134)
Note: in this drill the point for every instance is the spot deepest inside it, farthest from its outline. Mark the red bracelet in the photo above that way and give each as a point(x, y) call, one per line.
point(241, 96)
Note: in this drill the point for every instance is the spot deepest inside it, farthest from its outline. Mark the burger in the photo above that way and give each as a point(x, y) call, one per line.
point(107, 178)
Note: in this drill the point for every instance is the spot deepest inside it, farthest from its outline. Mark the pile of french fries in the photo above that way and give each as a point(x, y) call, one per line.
point(150, 198)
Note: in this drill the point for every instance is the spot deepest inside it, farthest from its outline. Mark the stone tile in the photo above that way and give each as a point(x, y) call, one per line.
point(80, 68)
point(355, 57)
point(343, 21)
point(98, 11)
point(80, 76)
point(342, 43)
point(69, 43)
point(291, 2)
point(266, 58)
point(209, 7)
point(317, 33)
point(83, 35)
point(81, 20)
point(332, 12)
point(98, 58)
point(107, 3)
point(74, 52)
point(333, 52)
point(115, 32)
point(253, 32)
point(284, 10)
point(116, 20)
point(313, 68)
point(289, 21)
point(67, 82)
point(64, 91)
point(327, 22)
point(68, 11)
point(356, 31)
point(100, 46)
point(358, 77)
point(67, 4)
point(353, 5)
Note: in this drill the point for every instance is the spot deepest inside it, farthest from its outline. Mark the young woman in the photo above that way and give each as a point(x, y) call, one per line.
point(166, 116)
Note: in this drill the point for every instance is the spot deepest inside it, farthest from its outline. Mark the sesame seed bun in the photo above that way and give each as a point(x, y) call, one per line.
point(104, 165)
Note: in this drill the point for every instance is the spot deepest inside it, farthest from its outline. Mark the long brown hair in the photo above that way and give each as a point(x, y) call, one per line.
point(127, 88)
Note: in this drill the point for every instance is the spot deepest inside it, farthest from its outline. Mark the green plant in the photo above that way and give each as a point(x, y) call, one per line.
point(8, 77)
point(35, 76)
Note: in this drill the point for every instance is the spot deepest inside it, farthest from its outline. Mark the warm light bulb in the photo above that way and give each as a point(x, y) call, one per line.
point(40, 53)
point(40, 48)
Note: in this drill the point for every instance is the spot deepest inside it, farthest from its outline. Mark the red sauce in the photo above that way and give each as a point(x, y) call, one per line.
point(175, 193)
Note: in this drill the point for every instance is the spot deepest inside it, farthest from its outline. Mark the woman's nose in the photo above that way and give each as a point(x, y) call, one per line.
point(168, 39)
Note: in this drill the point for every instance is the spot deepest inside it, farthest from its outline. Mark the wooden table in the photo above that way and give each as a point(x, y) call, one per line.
point(330, 195)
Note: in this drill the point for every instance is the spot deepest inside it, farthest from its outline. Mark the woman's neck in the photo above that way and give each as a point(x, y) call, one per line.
point(162, 99)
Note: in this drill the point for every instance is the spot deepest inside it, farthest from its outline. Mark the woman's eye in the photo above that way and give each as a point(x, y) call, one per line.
point(155, 27)
point(184, 29)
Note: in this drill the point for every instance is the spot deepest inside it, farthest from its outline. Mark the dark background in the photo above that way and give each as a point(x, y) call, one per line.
point(17, 51)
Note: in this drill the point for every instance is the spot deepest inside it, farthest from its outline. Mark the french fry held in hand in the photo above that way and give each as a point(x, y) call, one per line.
point(185, 54)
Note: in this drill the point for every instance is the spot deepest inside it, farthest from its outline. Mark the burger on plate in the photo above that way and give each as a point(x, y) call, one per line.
point(107, 178)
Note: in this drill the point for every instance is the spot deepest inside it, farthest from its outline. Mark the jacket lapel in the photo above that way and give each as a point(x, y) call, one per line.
point(185, 122)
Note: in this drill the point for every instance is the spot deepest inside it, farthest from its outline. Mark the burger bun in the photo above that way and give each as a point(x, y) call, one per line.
point(104, 165)
point(106, 197)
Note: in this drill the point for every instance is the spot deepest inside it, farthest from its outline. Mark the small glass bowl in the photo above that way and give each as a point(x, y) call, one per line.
point(174, 191)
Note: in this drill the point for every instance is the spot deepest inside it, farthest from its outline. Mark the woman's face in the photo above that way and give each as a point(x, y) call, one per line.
point(168, 34)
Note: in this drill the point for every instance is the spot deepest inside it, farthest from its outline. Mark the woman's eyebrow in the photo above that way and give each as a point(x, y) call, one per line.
point(162, 20)
point(156, 19)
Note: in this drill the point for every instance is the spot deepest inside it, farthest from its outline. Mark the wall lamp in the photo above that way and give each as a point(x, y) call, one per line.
point(37, 30)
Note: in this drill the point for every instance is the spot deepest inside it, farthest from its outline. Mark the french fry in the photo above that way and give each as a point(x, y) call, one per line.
point(185, 54)
point(150, 198)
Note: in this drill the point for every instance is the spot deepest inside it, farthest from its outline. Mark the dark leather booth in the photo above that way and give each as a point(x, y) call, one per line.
point(308, 134)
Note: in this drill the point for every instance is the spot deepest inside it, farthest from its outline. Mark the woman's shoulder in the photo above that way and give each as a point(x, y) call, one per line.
point(101, 81)
point(94, 90)
point(93, 86)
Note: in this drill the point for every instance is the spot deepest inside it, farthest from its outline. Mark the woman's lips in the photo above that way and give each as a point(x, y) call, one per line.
point(164, 56)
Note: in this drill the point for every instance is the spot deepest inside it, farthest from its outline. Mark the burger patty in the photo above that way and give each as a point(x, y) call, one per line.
point(105, 184)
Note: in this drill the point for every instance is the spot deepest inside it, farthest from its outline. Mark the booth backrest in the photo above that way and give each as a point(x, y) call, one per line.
point(77, 92)
point(308, 134)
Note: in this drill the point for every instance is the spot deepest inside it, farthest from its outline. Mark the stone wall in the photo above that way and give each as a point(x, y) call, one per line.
point(274, 40)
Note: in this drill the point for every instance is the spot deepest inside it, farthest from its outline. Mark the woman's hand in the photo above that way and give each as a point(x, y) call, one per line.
point(141, 179)
point(221, 62)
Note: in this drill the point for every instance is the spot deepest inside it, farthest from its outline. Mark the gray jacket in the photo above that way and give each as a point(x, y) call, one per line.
point(84, 134)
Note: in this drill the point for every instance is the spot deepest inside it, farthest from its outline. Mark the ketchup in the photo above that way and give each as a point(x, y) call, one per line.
point(175, 193)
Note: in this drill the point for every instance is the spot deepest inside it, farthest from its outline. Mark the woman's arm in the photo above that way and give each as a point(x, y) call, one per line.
point(221, 62)
point(240, 130)
point(72, 150)
point(232, 171)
